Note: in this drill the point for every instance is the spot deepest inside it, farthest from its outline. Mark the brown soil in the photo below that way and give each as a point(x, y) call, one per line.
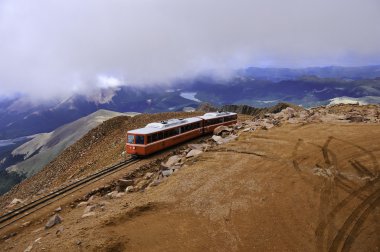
point(298, 187)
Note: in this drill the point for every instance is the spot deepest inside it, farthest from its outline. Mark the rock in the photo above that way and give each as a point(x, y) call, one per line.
point(91, 198)
point(59, 230)
point(149, 175)
point(193, 153)
point(29, 248)
point(58, 209)
point(54, 220)
point(90, 214)
point(114, 194)
point(129, 189)
point(356, 118)
point(289, 112)
point(167, 173)
point(15, 202)
point(25, 224)
point(89, 209)
point(125, 182)
point(196, 146)
point(246, 130)
point(155, 183)
point(83, 203)
point(172, 161)
point(218, 130)
point(216, 138)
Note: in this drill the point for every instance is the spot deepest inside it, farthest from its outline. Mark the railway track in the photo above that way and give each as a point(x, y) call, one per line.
point(23, 211)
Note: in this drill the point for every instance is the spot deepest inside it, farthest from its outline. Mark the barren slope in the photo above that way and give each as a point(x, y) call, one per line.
point(100, 147)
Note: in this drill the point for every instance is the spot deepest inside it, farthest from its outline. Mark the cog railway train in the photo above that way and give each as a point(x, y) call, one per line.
point(158, 136)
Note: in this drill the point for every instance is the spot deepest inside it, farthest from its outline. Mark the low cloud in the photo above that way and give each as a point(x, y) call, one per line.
point(50, 48)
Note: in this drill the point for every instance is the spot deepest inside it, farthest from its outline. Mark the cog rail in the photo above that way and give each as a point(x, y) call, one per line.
point(23, 211)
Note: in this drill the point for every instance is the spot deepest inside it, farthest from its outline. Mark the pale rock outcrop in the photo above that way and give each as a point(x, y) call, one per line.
point(54, 220)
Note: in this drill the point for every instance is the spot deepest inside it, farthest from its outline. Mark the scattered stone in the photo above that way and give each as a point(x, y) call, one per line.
point(6, 237)
point(114, 195)
point(54, 220)
point(59, 209)
point(89, 209)
point(29, 248)
point(193, 153)
point(83, 203)
point(15, 202)
point(125, 182)
point(216, 138)
point(91, 198)
point(90, 214)
point(155, 182)
point(219, 130)
point(79, 243)
point(25, 224)
point(129, 189)
point(59, 230)
point(149, 175)
point(172, 161)
point(196, 146)
point(167, 173)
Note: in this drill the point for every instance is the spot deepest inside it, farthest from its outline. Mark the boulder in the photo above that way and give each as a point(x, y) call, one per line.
point(216, 138)
point(167, 173)
point(193, 153)
point(218, 130)
point(54, 220)
point(129, 189)
point(172, 161)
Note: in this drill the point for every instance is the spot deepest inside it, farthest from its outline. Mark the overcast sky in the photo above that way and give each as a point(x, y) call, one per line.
point(50, 47)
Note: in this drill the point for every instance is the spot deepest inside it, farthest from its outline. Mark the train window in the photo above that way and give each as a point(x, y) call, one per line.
point(149, 139)
point(131, 139)
point(160, 135)
point(154, 137)
point(139, 139)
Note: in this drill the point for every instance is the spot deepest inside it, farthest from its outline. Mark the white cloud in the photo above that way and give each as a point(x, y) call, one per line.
point(54, 47)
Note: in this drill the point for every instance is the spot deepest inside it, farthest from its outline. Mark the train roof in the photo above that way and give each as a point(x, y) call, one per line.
point(212, 115)
point(163, 125)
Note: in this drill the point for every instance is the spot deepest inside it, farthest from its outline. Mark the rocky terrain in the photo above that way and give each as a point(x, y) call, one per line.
point(296, 180)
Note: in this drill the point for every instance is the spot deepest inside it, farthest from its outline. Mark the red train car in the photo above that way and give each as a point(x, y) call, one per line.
point(158, 136)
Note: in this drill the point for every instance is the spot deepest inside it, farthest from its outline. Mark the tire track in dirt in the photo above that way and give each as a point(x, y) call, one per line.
point(321, 229)
point(355, 230)
point(344, 237)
